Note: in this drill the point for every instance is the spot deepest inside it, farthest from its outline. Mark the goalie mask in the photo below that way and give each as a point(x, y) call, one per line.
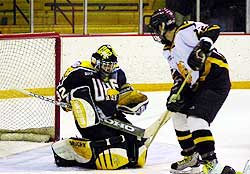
point(161, 21)
point(104, 60)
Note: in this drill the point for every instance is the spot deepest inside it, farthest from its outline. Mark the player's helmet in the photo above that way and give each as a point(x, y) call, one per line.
point(104, 60)
point(161, 21)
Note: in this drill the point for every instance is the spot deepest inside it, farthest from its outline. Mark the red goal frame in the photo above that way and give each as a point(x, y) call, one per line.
point(57, 64)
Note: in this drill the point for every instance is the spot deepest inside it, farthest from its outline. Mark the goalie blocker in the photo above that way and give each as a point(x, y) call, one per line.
point(102, 147)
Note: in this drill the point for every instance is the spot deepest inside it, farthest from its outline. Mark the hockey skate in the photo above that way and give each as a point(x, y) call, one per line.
point(189, 165)
point(213, 167)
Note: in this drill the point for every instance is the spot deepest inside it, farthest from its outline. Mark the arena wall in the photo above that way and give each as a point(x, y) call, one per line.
point(142, 59)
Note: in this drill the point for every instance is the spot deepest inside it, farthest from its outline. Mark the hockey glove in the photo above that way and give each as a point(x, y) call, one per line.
point(176, 103)
point(199, 55)
point(131, 101)
point(133, 108)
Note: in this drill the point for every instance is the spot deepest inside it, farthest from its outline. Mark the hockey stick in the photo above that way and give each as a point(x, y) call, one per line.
point(165, 116)
point(246, 169)
point(113, 123)
point(151, 131)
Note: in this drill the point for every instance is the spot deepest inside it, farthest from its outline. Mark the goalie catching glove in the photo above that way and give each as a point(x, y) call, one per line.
point(131, 101)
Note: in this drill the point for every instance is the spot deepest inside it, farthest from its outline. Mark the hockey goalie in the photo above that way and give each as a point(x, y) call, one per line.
point(98, 89)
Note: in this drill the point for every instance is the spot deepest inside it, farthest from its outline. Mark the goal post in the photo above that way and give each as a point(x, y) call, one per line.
point(31, 62)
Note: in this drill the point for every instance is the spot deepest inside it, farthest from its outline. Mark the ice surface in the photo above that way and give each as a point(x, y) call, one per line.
point(230, 129)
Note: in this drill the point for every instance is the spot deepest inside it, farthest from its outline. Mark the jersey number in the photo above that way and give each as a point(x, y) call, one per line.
point(62, 93)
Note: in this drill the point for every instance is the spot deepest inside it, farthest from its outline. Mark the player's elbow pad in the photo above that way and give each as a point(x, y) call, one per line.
point(206, 44)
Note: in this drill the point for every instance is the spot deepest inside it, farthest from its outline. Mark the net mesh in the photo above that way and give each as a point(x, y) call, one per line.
point(27, 64)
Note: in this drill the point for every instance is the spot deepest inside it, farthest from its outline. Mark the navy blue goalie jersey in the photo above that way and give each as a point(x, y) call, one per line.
point(103, 94)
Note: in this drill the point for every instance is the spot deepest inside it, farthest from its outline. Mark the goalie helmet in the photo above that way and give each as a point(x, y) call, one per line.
point(161, 21)
point(104, 60)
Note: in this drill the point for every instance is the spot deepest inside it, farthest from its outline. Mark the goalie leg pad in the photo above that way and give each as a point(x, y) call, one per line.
point(71, 151)
point(111, 153)
point(113, 158)
point(142, 156)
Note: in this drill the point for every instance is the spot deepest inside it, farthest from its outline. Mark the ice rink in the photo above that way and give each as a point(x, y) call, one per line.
point(231, 130)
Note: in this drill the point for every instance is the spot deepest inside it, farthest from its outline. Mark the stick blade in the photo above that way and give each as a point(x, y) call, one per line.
point(246, 169)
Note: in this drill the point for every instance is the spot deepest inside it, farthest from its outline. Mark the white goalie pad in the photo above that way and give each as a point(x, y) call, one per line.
point(73, 150)
point(83, 112)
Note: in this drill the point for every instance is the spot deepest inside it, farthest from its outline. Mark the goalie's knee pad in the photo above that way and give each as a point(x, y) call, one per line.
point(116, 158)
point(110, 153)
point(113, 158)
point(83, 108)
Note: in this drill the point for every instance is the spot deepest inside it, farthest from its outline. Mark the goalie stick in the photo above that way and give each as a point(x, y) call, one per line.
point(150, 132)
point(113, 123)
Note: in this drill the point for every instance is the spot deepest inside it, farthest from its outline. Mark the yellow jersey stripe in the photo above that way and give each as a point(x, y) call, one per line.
point(215, 27)
point(185, 137)
point(203, 139)
point(218, 62)
point(185, 25)
point(206, 71)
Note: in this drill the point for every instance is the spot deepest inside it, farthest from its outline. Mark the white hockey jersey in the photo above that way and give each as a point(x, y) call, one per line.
point(185, 39)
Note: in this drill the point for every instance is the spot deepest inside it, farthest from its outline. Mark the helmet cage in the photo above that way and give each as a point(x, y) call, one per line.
point(107, 67)
point(104, 61)
point(157, 33)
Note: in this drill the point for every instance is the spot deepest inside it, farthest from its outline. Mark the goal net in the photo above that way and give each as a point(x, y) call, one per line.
point(30, 62)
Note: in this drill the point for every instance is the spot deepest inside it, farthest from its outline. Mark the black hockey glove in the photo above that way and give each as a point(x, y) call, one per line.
point(176, 103)
point(199, 55)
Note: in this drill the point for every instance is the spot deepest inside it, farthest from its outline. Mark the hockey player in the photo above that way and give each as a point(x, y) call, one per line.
point(189, 50)
point(99, 89)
